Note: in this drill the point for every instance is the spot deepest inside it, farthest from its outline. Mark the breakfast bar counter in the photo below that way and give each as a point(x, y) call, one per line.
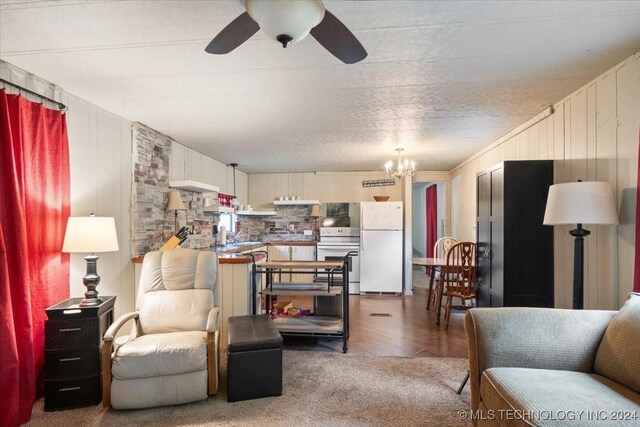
point(236, 253)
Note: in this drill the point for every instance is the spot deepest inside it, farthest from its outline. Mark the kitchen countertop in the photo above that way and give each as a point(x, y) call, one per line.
point(230, 254)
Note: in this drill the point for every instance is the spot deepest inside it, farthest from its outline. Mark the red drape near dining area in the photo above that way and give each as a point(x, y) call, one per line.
point(34, 273)
point(636, 279)
point(432, 218)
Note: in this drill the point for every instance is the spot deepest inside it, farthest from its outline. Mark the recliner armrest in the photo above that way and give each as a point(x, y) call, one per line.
point(119, 323)
point(213, 321)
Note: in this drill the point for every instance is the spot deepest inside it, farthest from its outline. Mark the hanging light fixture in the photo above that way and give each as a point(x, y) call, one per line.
point(234, 200)
point(401, 168)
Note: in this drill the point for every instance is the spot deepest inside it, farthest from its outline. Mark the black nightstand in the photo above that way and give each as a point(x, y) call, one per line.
point(73, 335)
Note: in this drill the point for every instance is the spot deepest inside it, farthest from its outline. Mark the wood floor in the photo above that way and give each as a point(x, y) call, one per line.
point(410, 331)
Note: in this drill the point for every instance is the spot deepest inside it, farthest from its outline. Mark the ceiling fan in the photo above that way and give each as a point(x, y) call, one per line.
point(289, 21)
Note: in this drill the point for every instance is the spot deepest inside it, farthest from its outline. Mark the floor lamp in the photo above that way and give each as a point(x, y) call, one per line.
point(580, 203)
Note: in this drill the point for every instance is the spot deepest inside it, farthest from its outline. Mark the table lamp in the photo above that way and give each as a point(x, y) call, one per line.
point(175, 204)
point(90, 234)
point(580, 203)
point(316, 213)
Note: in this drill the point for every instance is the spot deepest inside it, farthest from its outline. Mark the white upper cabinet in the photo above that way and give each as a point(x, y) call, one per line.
point(188, 164)
point(177, 162)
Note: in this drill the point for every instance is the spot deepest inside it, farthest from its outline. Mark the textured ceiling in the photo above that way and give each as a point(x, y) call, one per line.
point(442, 79)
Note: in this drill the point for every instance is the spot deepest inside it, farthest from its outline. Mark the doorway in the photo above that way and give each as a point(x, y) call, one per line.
point(428, 223)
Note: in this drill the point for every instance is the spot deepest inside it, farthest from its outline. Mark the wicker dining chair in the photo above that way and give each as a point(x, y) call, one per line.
point(458, 277)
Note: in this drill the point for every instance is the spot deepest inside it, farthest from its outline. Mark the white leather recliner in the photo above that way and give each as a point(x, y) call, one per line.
point(171, 355)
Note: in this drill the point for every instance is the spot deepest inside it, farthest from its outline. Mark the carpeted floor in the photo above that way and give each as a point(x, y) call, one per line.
point(320, 389)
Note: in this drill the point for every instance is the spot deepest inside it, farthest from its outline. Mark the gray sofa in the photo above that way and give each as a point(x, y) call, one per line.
point(552, 367)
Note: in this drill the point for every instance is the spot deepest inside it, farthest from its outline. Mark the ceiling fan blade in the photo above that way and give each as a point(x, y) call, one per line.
point(233, 35)
point(334, 36)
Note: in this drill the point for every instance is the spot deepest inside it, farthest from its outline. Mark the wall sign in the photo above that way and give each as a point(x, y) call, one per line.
point(378, 182)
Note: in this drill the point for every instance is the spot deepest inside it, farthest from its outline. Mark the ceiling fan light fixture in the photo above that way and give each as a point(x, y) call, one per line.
point(286, 21)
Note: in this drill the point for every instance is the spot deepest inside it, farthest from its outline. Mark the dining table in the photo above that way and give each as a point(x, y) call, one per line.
point(433, 263)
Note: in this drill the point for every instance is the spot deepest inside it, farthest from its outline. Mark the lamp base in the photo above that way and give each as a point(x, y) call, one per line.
point(90, 302)
point(91, 281)
point(578, 266)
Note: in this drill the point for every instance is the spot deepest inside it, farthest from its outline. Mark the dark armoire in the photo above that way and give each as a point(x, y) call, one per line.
point(515, 251)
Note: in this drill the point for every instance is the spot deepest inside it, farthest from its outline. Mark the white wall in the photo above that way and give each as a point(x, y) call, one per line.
point(186, 163)
point(100, 167)
point(418, 233)
point(592, 135)
point(347, 187)
point(419, 214)
point(322, 186)
point(100, 155)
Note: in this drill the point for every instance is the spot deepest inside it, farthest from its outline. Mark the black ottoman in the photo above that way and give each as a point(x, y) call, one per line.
point(254, 363)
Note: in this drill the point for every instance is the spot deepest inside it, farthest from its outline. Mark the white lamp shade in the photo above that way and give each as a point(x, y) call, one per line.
point(175, 202)
point(580, 203)
point(90, 234)
point(294, 18)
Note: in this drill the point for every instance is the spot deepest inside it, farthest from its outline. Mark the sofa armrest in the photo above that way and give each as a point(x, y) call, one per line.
point(213, 321)
point(541, 338)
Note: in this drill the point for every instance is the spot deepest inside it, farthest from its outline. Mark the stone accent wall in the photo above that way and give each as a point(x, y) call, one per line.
point(288, 225)
point(151, 224)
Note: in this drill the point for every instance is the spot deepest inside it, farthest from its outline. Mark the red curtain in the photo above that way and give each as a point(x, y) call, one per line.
point(636, 279)
point(34, 273)
point(432, 218)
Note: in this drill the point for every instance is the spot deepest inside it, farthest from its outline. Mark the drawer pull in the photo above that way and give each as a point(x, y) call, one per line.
point(70, 359)
point(70, 329)
point(69, 389)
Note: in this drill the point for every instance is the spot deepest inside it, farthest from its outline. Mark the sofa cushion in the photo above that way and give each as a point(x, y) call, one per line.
point(548, 392)
point(155, 355)
point(618, 356)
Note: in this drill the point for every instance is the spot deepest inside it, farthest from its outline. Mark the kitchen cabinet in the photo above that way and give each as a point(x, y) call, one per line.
point(302, 253)
point(281, 253)
point(515, 251)
point(292, 253)
point(177, 162)
point(188, 164)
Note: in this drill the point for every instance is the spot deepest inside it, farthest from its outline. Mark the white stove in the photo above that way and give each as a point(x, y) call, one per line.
point(335, 243)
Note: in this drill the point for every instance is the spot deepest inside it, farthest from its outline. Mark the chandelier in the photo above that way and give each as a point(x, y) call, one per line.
point(401, 168)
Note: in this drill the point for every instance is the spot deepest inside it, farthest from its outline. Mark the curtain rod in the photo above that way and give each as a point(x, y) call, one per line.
point(60, 105)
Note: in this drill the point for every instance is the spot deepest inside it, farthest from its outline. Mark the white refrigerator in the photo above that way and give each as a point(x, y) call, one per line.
point(381, 225)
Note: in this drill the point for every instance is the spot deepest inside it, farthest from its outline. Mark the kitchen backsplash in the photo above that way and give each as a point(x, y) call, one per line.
point(289, 224)
point(152, 225)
